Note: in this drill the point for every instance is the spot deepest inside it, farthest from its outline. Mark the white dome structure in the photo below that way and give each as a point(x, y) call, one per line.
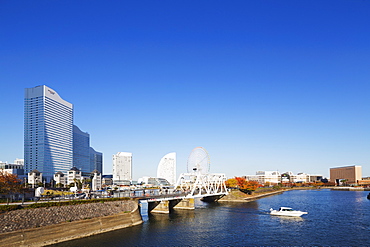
point(167, 168)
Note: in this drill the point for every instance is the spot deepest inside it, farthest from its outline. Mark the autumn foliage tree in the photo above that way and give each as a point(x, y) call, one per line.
point(231, 183)
point(9, 184)
point(246, 186)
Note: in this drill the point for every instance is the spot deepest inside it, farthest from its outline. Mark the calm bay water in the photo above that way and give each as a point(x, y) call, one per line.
point(336, 218)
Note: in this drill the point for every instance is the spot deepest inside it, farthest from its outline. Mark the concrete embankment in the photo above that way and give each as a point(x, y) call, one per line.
point(45, 226)
point(238, 196)
point(350, 188)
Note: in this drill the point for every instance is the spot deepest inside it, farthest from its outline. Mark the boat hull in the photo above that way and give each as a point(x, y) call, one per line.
point(291, 214)
point(286, 211)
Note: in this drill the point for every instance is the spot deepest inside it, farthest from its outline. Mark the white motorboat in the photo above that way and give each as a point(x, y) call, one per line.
point(285, 211)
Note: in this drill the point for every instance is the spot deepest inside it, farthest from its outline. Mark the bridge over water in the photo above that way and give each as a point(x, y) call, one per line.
point(208, 187)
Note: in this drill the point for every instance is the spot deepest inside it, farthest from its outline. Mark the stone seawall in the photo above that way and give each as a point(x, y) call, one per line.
point(238, 196)
point(43, 226)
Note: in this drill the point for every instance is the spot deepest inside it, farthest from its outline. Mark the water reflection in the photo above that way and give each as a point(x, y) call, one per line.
point(287, 219)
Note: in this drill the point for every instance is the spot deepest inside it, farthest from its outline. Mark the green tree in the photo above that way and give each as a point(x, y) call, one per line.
point(78, 183)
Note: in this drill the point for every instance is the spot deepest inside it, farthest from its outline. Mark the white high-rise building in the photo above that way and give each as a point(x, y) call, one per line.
point(122, 167)
point(48, 132)
point(167, 168)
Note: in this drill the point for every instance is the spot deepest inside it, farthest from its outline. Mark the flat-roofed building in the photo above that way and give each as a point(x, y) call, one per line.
point(352, 174)
point(295, 178)
point(274, 177)
point(16, 168)
point(263, 177)
point(315, 178)
point(122, 167)
point(107, 180)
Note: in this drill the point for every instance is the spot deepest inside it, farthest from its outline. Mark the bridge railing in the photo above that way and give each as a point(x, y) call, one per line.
point(200, 185)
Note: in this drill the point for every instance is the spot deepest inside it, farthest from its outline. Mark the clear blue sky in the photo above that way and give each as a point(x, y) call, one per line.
point(262, 85)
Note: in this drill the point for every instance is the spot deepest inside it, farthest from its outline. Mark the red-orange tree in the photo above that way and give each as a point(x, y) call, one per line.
point(9, 183)
point(246, 186)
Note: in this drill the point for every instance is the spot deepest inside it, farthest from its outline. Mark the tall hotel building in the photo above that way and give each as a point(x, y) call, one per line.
point(122, 167)
point(48, 132)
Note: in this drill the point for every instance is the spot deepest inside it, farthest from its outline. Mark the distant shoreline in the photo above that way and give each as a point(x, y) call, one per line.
point(238, 196)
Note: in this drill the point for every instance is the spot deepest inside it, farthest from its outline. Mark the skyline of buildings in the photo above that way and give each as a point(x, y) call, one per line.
point(345, 175)
point(49, 134)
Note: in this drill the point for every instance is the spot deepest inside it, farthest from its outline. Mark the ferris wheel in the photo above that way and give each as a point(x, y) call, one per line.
point(198, 161)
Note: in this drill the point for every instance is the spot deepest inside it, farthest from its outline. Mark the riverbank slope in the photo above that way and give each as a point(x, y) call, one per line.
point(49, 225)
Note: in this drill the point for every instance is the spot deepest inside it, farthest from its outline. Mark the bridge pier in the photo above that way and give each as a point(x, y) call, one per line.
point(186, 203)
point(166, 206)
point(159, 207)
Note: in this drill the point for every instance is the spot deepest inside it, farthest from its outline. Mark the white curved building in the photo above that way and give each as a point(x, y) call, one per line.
point(167, 168)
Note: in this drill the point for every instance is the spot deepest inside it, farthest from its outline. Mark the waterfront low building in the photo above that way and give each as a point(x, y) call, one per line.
point(107, 180)
point(74, 174)
point(60, 179)
point(34, 178)
point(290, 177)
point(346, 174)
point(154, 182)
point(315, 178)
point(264, 177)
point(274, 177)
